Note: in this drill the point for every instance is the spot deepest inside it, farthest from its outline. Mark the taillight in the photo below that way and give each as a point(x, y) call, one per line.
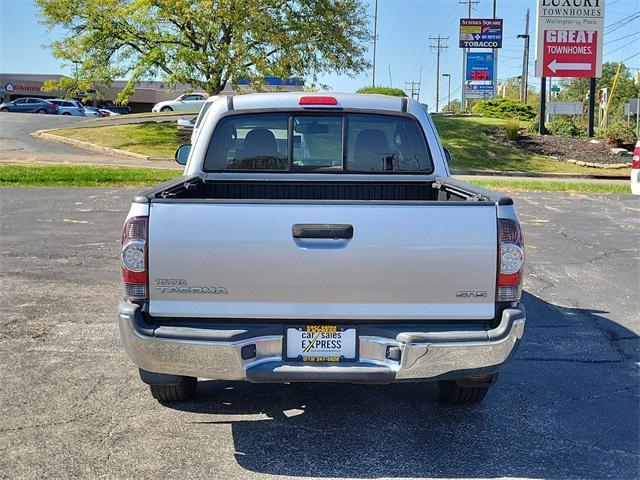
point(635, 163)
point(510, 261)
point(134, 258)
point(318, 100)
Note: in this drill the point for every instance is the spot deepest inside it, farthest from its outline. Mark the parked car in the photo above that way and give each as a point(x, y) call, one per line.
point(117, 109)
point(93, 112)
point(29, 105)
point(188, 102)
point(69, 107)
point(320, 238)
point(635, 170)
point(107, 113)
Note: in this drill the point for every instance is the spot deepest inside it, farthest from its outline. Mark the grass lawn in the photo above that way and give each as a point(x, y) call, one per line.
point(472, 148)
point(468, 138)
point(507, 185)
point(17, 175)
point(155, 139)
point(14, 175)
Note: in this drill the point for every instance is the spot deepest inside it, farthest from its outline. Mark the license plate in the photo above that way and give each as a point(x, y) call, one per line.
point(321, 343)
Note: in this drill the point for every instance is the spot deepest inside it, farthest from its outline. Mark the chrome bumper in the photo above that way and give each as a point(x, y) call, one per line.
point(238, 355)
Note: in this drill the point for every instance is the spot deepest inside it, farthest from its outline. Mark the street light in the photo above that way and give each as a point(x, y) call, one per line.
point(448, 75)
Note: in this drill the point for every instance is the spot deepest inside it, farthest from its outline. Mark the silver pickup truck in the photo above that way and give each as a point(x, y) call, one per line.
point(320, 238)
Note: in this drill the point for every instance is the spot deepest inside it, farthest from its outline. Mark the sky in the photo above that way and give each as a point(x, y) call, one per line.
point(404, 28)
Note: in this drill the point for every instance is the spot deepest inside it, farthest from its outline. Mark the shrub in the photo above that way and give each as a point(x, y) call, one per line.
point(619, 134)
point(513, 129)
point(565, 127)
point(394, 92)
point(504, 108)
point(534, 124)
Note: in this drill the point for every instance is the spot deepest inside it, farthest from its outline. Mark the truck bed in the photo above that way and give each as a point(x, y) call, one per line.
point(195, 188)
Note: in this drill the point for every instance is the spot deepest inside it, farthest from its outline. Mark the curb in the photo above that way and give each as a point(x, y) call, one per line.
point(497, 173)
point(92, 147)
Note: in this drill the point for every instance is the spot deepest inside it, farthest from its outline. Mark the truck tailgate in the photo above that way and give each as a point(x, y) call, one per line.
point(242, 260)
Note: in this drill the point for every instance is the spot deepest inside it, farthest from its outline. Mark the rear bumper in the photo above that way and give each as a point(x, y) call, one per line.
point(254, 352)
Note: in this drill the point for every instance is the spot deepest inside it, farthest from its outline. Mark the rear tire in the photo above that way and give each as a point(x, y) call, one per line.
point(66, 113)
point(41, 111)
point(180, 392)
point(166, 109)
point(450, 392)
point(4, 109)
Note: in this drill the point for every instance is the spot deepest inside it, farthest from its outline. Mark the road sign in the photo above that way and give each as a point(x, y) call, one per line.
point(479, 67)
point(480, 33)
point(555, 89)
point(569, 38)
point(565, 108)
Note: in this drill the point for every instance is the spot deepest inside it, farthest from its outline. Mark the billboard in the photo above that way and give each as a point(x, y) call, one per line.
point(569, 40)
point(479, 67)
point(480, 33)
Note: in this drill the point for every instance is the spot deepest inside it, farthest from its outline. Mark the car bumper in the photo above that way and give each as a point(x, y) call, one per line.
point(635, 181)
point(255, 352)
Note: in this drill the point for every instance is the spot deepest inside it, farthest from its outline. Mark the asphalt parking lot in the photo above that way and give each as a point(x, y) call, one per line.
point(72, 404)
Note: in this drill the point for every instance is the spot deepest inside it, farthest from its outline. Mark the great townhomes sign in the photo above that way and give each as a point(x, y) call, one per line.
point(569, 38)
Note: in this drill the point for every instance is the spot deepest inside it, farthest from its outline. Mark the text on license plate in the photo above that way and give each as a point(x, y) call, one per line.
point(321, 343)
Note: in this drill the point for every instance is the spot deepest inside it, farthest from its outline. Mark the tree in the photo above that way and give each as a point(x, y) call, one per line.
point(453, 107)
point(205, 43)
point(577, 89)
point(394, 92)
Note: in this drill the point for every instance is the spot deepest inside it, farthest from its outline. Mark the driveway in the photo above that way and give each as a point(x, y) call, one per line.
point(73, 406)
point(18, 146)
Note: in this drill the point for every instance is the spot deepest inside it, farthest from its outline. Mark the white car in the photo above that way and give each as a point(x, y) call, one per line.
point(69, 107)
point(188, 102)
point(635, 170)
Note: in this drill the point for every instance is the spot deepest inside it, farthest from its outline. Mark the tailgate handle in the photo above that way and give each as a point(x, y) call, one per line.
point(322, 230)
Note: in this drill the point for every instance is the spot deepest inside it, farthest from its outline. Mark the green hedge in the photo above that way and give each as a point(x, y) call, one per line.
point(504, 108)
point(394, 92)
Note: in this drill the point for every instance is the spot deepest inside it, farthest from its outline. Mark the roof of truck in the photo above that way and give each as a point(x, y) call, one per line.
point(292, 100)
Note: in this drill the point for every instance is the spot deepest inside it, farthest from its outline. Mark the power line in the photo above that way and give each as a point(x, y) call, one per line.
point(621, 38)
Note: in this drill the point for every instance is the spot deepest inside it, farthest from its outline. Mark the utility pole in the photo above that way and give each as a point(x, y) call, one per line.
point(448, 75)
point(414, 89)
point(524, 83)
point(375, 39)
point(464, 52)
point(495, 61)
point(438, 47)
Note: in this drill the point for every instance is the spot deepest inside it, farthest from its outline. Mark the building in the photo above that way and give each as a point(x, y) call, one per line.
point(147, 93)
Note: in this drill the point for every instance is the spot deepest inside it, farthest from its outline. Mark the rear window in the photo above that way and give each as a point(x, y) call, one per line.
point(353, 142)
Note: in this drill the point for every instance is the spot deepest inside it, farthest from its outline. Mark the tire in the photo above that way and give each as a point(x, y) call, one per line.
point(450, 392)
point(4, 109)
point(166, 109)
point(180, 392)
point(66, 113)
point(41, 111)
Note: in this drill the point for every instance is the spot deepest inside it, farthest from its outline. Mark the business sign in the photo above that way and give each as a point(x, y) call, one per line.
point(565, 108)
point(480, 33)
point(479, 67)
point(478, 91)
point(569, 38)
point(9, 87)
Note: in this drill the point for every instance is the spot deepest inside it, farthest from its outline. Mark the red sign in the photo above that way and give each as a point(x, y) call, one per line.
point(569, 53)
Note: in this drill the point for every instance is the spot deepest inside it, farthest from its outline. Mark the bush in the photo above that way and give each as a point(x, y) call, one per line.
point(565, 127)
point(504, 108)
point(393, 92)
point(534, 125)
point(619, 135)
point(513, 129)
